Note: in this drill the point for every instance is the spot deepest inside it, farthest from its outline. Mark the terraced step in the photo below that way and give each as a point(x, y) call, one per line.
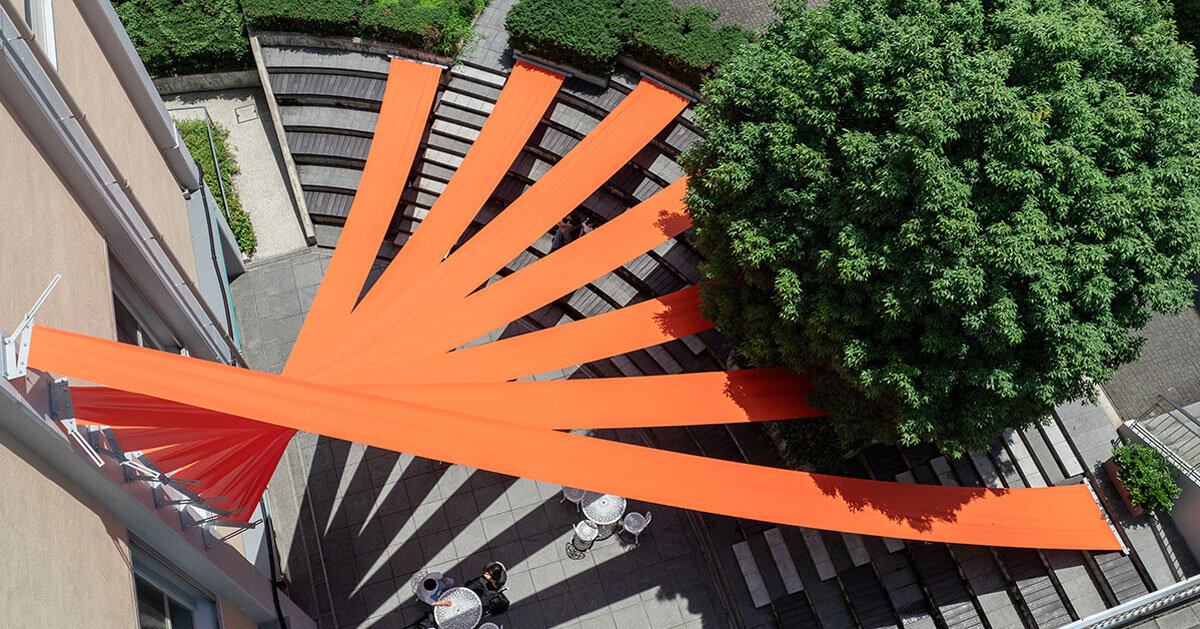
point(328, 60)
point(291, 85)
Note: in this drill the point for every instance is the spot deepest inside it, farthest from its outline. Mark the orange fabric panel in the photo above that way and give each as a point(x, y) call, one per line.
point(629, 127)
point(407, 101)
point(447, 325)
point(641, 325)
point(527, 94)
point(691, 399)
point(1053, 517)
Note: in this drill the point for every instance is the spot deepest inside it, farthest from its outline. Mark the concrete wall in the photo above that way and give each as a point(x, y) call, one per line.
point(64, 560)
point(95, 87)
point(43, 232)
point(231, 618)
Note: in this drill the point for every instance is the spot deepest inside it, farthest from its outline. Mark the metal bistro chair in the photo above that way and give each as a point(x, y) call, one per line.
point(573, 495)
point(635, 523)
point(417, 580)
point(585, 536)
point(490, 625)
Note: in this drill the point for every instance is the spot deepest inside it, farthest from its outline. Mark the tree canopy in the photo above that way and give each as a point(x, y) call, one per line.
point(955, 213)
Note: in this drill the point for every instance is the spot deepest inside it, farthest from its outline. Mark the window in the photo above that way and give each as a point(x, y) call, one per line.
point(128, 329)
point(157, 610)
point(138, 322)
point(165, 598)
point(39, 15)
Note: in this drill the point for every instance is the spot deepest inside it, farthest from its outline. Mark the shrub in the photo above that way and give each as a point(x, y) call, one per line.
point(186, 36)
point(575, 32)
point(1147, 477)
point(957, 210)
point(195, 137)
point(589, 34)
point(683, 44)
point(326, 17)
point(439, 26)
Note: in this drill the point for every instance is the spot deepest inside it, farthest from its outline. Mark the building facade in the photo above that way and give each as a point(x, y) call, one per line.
point(96, 186)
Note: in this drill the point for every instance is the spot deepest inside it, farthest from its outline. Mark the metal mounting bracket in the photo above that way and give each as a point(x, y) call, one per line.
point(241, 527)
point(62, 411)
point(14, 355)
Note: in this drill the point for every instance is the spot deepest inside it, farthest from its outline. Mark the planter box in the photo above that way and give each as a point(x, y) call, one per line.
point(1110, 466)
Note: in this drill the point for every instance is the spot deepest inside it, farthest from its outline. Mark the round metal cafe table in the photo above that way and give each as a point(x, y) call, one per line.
point(604, 510)
point(464, 612)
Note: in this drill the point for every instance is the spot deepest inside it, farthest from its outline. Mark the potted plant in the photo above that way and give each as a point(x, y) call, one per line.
point(1143, 478)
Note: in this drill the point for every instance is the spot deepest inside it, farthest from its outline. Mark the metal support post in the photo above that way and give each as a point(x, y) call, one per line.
point(14, 355)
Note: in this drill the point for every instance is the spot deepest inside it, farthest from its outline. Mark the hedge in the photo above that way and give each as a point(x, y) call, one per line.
point(439, 26)
point(589, 34)
point(186, 36)
point(195, 137)
point(575, 32)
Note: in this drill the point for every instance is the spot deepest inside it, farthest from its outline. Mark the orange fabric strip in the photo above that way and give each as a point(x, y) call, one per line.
point(641, 325)
point(716, 397)
point(407, 101)
point(1053, 517)
point(525, 97)
point(627, 236)
point(628, 128)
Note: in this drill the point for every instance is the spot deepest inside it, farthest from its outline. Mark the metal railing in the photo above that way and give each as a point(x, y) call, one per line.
point(1189, 422)
point(1143, 607)
point(218, 256)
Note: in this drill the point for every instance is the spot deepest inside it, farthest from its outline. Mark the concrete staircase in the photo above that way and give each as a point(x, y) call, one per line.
point(850, 580)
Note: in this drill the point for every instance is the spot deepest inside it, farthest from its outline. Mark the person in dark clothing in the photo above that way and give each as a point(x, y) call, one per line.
point(564, 233)
point(491, 581)
point(490, 588)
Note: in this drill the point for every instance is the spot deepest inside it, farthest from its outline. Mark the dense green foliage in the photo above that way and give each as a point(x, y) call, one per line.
point(589, 34)
point(574, 32)
point(1147, 477)
point(804, 445)
point(951, 212)
point(186, 36)
point(195, 137)
point(1187, 17)
point(439, 26)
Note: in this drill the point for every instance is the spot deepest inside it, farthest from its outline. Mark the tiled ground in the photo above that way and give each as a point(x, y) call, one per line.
point(1170, 364)
point(354, 523)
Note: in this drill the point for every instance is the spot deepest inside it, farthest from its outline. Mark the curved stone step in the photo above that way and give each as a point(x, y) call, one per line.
point(330, 119)
point(324, 59)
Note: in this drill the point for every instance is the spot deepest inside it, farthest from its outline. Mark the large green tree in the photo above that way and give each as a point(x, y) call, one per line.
point(954, 212)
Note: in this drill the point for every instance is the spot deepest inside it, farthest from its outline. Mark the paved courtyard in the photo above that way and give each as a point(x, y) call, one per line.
point(355, 523)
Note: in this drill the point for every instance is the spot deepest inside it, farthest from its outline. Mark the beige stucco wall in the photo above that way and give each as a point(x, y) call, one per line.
point(95, 87)
point(64, 561)
point(43, 232)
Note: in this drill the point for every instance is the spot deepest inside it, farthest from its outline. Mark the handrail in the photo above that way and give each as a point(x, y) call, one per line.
point(1183, 466)
point(1142, 607)
point(1182, 410)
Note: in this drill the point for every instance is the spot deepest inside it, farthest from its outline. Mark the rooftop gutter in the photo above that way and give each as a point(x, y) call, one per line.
point(114, 42)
